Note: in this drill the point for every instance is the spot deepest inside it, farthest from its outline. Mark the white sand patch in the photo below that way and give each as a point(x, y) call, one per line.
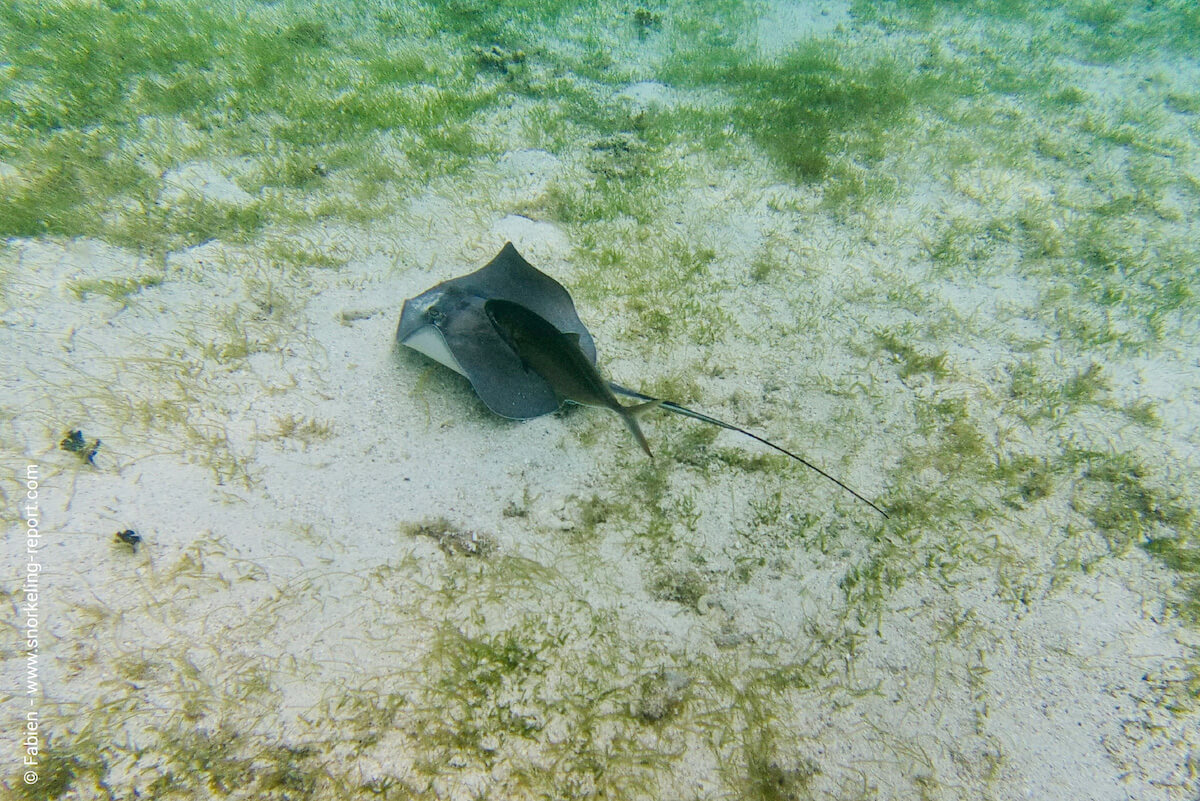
point(527, 172)
point(785, 23)
point(1062, 728)
point(647, 95)
point(539, 242)
point(10, 177)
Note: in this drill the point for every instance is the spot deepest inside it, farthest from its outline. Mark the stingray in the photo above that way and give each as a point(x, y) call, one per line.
point(513, 332)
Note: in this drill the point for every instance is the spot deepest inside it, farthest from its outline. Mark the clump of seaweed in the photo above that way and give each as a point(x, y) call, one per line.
point(1123, 502)
point(499, 59)
point(646, 21)
point(118, 289)
point(661, 695)
point(682, 586)
point(910, 360)
point(453, 540)
point(1181, 554)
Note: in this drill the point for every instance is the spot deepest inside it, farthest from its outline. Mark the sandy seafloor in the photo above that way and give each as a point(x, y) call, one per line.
point(572, 622)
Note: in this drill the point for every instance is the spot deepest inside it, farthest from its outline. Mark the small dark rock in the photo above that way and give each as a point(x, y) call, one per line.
point(75, 443)
point(130, 538)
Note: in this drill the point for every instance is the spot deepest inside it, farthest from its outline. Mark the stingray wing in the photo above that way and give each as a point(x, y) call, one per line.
point(498, 376)
point(453, 310)
point(510, 277)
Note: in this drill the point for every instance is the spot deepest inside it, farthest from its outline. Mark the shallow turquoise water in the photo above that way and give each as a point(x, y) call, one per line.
point(945, 251)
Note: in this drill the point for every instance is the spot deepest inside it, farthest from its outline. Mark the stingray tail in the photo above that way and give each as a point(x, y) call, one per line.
point(630, 415)
point(685, 411)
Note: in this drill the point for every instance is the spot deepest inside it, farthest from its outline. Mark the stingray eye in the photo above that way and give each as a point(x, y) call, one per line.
point(436, 316)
